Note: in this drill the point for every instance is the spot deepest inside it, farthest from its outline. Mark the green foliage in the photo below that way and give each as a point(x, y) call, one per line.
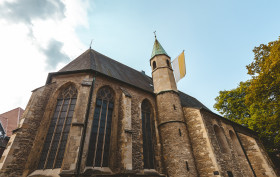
point(256, 102)
point(231, 104)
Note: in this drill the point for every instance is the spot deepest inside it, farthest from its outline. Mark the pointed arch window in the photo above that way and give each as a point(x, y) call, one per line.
point(55, 142)
point(221, 139)
point(98, 153)
point(148, 152)
point(235, 143)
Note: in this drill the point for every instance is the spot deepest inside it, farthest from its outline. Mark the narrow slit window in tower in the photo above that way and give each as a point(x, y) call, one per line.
point(168, 63)
point(154, 65)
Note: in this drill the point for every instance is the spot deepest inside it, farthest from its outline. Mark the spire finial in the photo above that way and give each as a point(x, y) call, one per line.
point(155, 34)
point(90, 43)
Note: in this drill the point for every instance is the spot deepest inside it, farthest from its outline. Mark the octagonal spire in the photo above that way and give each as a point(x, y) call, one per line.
point(158, 49)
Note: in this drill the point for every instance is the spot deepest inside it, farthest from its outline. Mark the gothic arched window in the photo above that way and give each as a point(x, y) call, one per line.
point(221, 139)
point(235, 143)
point(55, 142)
point(148, 152)
point(99, 143)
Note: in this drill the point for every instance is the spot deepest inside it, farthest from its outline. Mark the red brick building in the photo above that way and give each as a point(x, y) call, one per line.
point(8, 122)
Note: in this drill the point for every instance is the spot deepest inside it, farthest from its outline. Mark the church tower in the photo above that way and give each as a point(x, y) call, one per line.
point(176, 147)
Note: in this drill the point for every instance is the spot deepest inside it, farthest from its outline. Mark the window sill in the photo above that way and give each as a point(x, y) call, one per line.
point(151, 172)
point(97, 170)
point(46, 173)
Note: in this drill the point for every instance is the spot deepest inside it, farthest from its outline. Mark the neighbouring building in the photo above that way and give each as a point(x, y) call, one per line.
point(9, 121)
point(98, 117)
point(3, 139)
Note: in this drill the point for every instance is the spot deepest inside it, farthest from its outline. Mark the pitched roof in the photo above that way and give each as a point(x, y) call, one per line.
point(95, 61)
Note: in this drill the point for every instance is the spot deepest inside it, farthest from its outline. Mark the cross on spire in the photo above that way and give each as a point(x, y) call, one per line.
point(90, 43)
point(155, 34)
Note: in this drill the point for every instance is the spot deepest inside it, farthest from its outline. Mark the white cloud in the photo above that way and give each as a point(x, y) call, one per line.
point(29, 46)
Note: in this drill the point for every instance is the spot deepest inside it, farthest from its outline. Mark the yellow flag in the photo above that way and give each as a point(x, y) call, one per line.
point(179, 67)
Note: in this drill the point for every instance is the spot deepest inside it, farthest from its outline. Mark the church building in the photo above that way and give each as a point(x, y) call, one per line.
point(97, 117)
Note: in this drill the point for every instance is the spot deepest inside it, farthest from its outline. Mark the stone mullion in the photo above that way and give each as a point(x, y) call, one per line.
point(61, 134)
point(97, 134)
point(101, 163)
point(45, 164)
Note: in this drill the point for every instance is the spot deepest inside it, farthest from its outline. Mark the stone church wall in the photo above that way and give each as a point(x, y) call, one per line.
point(20, 144)
point(126, 137)
point(228, 161)
point(211, 159)
point(257, 156)
point(126, 152)
point(70, 159)
point(204, 157)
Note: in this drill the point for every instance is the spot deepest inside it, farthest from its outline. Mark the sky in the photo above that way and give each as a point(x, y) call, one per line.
point(218, 36)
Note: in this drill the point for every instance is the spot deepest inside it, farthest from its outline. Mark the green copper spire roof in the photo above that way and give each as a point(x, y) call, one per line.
point(158, 50)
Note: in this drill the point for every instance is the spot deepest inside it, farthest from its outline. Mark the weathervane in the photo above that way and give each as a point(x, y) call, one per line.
point(155, 34)
point(90, 44)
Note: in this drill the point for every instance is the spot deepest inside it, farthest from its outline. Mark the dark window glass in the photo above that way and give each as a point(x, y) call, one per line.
point(55, 142)
point(98, 153)
point(148, 152)
point(168, 63)
point(230, 174)
point(154, 65)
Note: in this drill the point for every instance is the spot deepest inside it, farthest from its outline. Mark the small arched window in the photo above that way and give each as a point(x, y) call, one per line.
point(235, 143)
point(154, 65)
point(55, 143)
point(221, 139)
point(99, 143)
point(148, 151)
point(168, 63)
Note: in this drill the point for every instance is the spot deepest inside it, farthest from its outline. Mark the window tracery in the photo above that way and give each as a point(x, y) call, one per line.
point(56, 139)
point(98, 153)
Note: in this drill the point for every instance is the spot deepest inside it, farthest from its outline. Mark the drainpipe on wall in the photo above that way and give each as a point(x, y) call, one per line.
point(78, 167)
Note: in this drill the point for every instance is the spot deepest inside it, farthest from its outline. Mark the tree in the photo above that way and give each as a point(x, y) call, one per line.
point(256, 102)
point(231, 104)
